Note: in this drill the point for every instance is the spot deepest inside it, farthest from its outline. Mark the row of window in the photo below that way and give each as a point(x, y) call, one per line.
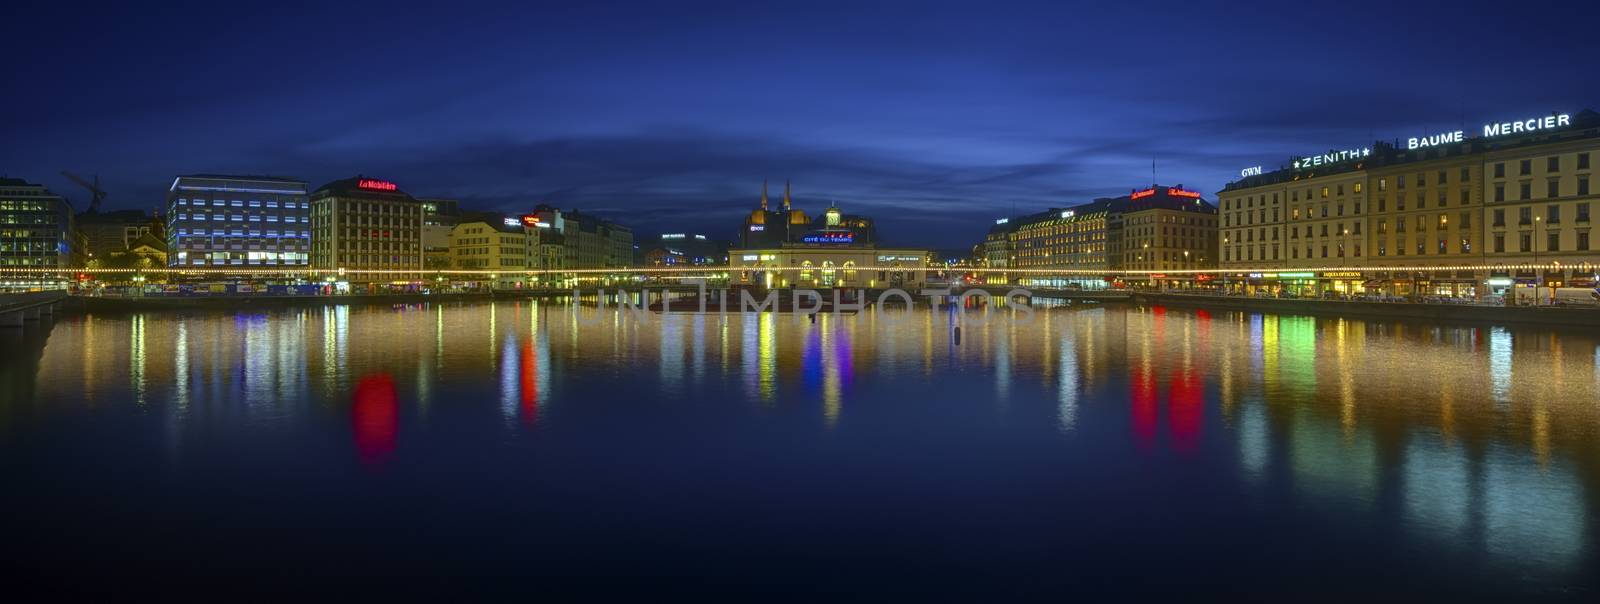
point(1552, 164)
point(1552, 215)
point(240, 203)
point(241, 218)
point(1552, 188)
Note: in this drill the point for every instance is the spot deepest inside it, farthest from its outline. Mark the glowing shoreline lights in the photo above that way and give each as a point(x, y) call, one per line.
point(1491, 130)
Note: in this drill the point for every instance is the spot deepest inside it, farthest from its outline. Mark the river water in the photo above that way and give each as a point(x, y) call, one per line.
point(1112, 450)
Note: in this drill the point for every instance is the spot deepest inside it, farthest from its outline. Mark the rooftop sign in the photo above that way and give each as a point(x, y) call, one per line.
point(1433, 140)
point(376, 185)
point(1492, 130)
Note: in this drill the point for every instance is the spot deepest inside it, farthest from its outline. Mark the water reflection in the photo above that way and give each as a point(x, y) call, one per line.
point(376, 418)
point(1472, 439)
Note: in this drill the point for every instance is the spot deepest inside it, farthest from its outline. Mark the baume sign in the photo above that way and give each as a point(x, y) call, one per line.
point(1499, 129)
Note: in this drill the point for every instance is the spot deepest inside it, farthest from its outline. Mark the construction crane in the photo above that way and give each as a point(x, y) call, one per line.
point(95, 191)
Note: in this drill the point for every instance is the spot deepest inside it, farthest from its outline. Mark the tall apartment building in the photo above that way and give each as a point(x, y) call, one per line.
point(217, 220)
point(36, 231)
point(368, 227)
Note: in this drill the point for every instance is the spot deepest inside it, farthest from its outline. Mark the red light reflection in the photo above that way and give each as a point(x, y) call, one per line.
point(376, 414)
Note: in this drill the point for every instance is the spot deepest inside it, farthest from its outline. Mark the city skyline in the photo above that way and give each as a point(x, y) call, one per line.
point(939, 120)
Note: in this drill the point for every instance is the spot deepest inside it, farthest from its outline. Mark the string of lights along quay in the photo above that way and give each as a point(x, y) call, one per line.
point(700, 270)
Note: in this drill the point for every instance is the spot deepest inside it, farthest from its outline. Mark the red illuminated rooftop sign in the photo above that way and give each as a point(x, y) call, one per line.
point(1171, 192)
point(376, 185)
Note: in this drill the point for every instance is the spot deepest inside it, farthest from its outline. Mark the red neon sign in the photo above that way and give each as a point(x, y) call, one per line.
point(1183, 193)
point(376, 185)
point(1140, 194)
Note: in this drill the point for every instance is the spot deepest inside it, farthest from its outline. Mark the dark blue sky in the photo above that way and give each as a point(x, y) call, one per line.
point(935, 118)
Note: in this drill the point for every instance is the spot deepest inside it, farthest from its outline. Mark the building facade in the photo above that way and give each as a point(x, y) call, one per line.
point(237, 222)
point(836, 250)
point(369, 228)
point(36, 231)
point(589, 242)
point(1449, 215)
point(686, 249)
point(1163, 229)
point(1089, 245)
point(439, 217)
point(498, 244)
point(108, 233)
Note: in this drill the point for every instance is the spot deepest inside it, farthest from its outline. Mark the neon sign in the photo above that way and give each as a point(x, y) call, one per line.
point(511, 222)
point(1001, 220)
point(1183, 193)
point(1529, 125)
point(1331, 157)
point(1142, 194)
point(530, 220)
point(1250, 171)
point(829, 238)
point(376, 185)
point(1068, 213)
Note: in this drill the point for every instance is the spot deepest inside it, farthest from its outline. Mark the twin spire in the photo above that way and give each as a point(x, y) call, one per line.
point(764, 195)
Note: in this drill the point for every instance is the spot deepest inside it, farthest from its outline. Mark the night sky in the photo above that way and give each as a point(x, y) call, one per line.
point(934, 118)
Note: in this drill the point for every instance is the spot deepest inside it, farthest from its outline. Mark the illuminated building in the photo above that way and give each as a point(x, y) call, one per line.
point(996, 250)
point(1153, 229)
point(1481, 209)
point(1163, 229)
point(36, 230)
point(492, 242)
point(1422, 214)
point(767, 228)
point(237, 221)
point(367, 224)
point(834, 250)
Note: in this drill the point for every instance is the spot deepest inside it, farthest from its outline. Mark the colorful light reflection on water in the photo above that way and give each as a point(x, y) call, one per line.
point(1226, 450)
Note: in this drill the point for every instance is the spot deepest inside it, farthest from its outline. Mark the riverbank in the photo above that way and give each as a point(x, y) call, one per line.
point(1536, 315)
point(1533, 315)
point(234, 302)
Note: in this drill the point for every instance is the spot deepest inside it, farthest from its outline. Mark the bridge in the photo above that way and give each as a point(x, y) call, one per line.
point(16, 310)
